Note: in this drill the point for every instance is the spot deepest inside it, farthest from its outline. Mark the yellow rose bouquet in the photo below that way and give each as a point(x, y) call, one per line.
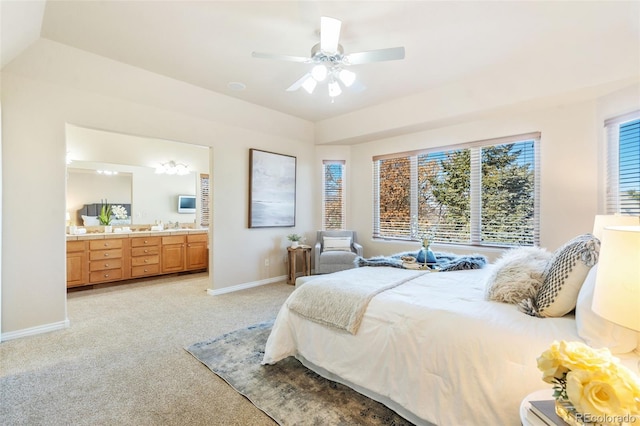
point(598, 388)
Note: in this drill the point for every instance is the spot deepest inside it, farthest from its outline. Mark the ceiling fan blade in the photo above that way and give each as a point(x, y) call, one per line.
point(357, 87)
point(329, 34)
point(390, 54)
point(280, 57)
point(298, 84)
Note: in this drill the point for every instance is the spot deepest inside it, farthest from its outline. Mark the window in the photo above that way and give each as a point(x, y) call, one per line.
point(623, 164)
point(481, 193)
point(333, 211)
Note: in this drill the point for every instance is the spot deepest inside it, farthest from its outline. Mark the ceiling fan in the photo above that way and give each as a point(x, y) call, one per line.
point(330, 62)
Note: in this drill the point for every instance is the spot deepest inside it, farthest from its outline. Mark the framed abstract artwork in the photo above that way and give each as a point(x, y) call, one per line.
point(272, 189)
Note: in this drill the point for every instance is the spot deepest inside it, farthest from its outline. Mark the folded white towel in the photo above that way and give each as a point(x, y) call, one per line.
point(81, 231)
point(156, 228)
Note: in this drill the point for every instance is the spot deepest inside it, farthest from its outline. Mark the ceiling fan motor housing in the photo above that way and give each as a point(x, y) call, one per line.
point(318, 55)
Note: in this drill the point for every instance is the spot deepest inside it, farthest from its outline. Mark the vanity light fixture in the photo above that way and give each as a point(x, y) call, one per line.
point(173, 168)
point(107, 172)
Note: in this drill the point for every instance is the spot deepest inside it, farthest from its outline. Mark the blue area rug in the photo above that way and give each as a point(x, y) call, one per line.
point(287, 392)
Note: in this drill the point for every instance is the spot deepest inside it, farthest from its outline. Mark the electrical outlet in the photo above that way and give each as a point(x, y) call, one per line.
point(266, 262)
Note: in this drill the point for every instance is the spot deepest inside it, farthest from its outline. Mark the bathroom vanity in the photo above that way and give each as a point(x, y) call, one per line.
point(97, 258)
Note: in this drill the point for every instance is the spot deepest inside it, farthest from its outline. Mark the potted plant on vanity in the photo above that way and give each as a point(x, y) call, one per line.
point(105, 216)
point(295, 240)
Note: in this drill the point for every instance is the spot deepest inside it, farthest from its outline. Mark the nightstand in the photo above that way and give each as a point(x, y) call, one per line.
point(292, 254)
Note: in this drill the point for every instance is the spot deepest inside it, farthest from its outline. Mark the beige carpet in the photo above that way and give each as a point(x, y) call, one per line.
point(122, 361)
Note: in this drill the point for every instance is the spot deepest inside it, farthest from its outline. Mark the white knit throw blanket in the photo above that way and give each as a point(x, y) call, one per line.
point(339, 300)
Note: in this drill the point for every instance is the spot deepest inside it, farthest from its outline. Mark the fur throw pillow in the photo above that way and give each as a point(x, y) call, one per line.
point(518, 274)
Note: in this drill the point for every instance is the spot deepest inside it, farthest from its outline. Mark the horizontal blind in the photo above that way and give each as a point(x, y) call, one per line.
point(442, 194)
point(510, 210)
point(333, 199)
point(623, 164)
point(392, 200)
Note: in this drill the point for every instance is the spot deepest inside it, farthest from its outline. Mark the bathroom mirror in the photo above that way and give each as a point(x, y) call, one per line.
point(123, 169)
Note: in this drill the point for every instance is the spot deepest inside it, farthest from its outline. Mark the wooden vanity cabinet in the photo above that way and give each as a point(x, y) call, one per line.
point(173, 253)
point(77, 263)
point(197, 253)
point(114, 258)
point(107, 260)
point(145, 256)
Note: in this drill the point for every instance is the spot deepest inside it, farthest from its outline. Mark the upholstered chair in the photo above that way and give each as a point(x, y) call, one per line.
point(335, 251)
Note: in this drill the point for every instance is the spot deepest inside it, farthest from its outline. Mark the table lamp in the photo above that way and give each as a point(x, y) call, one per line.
point(617, 292)
point(603, 220)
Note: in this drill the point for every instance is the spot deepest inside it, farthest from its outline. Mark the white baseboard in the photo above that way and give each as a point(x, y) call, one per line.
point(35, 330)
point(219, 291)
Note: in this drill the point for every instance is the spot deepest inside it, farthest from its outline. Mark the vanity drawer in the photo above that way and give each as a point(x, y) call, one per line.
point(105, 244)
point(145, 260)
point(196, 238)
point(101, 265)
point(105, 254)
point(108, 275)
point(145, 241)
point(75, 246)
point(174, 239)
point(142, 271)
point(145, 251)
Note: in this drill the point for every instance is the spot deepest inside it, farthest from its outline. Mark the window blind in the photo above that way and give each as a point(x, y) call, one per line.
point(623, 164)
point(333, 200)
point(482, 193)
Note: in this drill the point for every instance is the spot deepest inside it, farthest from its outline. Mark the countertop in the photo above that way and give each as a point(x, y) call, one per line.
point(103, 235)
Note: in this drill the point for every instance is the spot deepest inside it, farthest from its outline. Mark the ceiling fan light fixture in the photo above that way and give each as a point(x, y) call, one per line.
point(319, 72)
point(347, 77)
point(309, 84)
point(334, 89)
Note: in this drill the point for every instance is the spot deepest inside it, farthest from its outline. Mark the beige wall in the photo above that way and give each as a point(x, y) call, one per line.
point(40, 96)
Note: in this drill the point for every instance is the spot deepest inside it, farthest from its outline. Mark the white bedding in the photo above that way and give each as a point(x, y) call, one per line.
point(434, 347)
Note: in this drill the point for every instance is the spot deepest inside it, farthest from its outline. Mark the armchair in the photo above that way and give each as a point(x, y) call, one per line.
point(337, 252)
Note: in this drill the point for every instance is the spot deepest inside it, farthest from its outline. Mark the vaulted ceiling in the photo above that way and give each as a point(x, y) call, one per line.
point(209, 43)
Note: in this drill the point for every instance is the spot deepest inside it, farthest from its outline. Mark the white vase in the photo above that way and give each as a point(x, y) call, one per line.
point(108, 229)
point(294, 244)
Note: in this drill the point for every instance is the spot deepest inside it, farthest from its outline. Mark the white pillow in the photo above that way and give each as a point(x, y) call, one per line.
point(90, 220)
point(336, 243)
point(596, 331)
point(517, 275)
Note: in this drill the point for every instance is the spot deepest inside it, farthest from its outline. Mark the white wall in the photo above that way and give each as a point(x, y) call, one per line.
point(39, 99)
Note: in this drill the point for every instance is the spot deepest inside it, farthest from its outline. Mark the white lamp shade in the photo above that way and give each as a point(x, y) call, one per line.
point(617, 292)
point(334, 89)
point(319, 72)
point(347, 77)
point(309, 84)
point(603, 220)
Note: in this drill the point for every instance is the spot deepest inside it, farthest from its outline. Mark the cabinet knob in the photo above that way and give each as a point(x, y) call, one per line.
point(145, 241)
point(146, 251)
point(106, 275)
point(106, 265)
point(146, 261)
point(106, 255)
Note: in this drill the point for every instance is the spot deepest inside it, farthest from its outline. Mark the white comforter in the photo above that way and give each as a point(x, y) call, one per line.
point(434, 347)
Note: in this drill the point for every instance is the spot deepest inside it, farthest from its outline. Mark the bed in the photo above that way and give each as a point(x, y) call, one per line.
point(430, 347)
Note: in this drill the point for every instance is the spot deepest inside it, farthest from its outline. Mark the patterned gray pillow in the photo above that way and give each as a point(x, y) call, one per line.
point(563, 277)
